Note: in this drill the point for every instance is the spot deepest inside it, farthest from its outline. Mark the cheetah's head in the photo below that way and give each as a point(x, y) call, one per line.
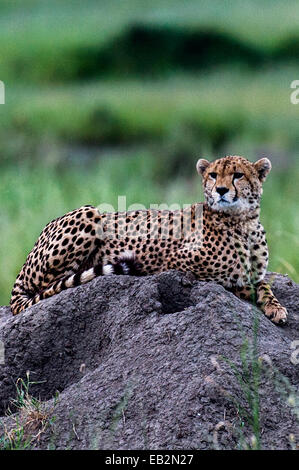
point(233, 183)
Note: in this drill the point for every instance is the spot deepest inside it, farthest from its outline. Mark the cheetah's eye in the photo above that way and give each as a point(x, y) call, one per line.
point(238, 175)
point(213, 175)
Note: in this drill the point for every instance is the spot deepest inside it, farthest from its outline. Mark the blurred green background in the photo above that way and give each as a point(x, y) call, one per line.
point(108, 98)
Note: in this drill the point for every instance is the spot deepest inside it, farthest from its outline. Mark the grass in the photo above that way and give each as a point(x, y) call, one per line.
point(252, 372)
point(30, 420)
point(213, 108)
point(248, 375)
point(41, 40)
point(46, 100)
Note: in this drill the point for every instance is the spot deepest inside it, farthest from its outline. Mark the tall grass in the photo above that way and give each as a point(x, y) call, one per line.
point(30, 420)
point(248, 376)
point(214, 107)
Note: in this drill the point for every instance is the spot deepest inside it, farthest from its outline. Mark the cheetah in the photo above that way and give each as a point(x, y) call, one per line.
point(219, 240)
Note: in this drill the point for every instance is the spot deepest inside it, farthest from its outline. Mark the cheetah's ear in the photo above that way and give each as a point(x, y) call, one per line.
point(263, 167)
point(202, 165)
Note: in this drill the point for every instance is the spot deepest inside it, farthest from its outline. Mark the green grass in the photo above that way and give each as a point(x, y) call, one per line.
point(211, 109)
point(248, 376)
point(252, 372)
point(30, 420)
point(39, 40)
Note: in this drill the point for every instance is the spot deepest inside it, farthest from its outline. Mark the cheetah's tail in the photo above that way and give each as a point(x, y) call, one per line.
point(22, 299)
point(125, 264)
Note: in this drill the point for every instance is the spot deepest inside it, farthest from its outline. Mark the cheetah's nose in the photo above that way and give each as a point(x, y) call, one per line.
point(221, 190)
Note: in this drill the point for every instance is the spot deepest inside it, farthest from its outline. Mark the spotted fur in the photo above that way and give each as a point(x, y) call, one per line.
point(221, 239)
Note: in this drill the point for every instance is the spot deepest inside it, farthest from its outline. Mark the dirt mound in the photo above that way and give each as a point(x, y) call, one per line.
point(160, 362)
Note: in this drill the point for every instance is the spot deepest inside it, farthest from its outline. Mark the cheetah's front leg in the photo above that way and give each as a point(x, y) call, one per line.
point(262, 294)
point(269, 304)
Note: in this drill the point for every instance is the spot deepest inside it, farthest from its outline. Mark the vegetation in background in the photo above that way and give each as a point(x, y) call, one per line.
point(68, 39)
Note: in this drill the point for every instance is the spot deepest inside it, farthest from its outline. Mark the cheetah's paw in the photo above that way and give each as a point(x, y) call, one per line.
point(276, 313)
